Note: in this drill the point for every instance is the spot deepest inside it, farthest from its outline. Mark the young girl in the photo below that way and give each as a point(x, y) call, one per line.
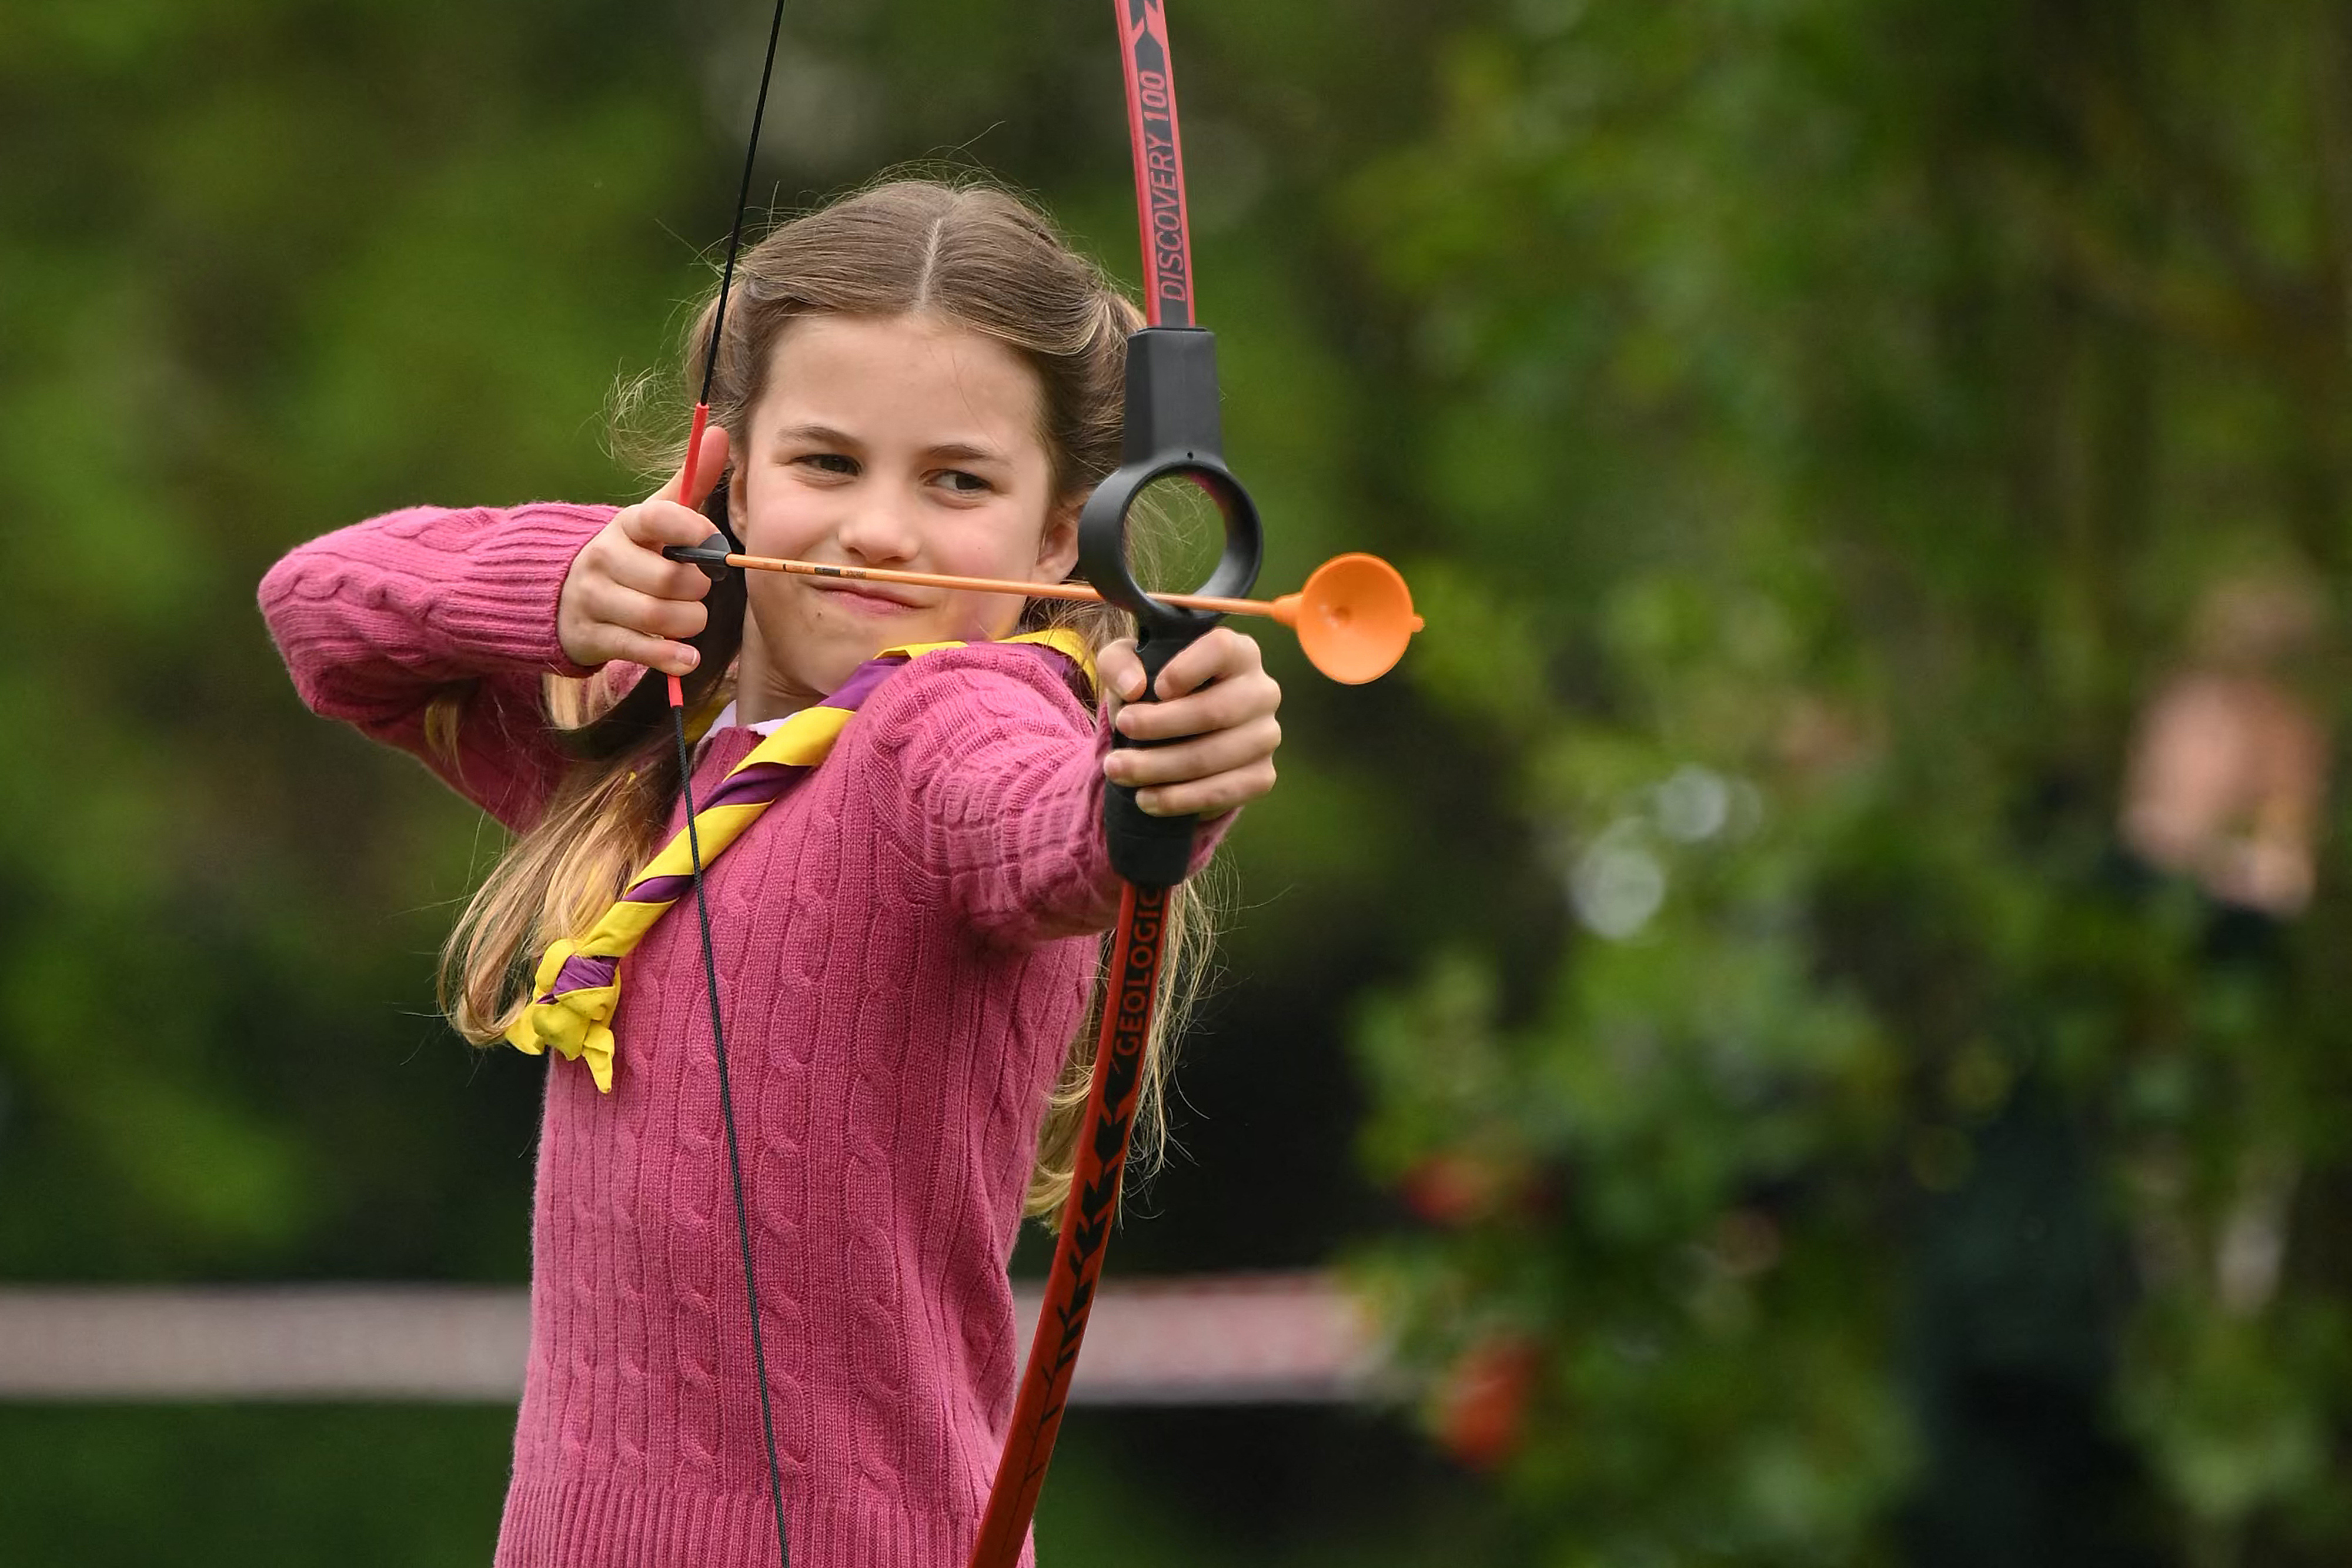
point(917, 377)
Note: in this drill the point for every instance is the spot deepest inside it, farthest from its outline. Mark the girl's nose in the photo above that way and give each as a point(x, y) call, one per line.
point(877, 529)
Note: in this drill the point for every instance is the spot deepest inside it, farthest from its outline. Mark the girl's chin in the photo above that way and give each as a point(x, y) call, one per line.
point(820, 655)
point(845, 649)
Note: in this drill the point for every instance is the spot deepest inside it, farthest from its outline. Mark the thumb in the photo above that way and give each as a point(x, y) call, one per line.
point(692, 484)
point(1121, 675)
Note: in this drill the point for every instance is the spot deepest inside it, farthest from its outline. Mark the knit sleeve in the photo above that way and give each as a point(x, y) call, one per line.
point(377, 620)
point(989, 770)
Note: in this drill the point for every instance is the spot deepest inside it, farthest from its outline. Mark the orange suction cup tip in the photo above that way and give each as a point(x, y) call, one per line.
point(1353, 618)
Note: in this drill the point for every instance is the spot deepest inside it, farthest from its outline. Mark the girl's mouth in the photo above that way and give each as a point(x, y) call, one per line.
point(866, 599)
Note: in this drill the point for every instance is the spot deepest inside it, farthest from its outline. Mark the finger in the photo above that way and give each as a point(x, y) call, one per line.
point(1220, 654)
point(1120, 669)
point(651, 572)
point(627, 610)
point(1222, 751)
point(1120, 674)
point(659, 522)
point(1222, 706)
point(654, 653)
point(1209, 796)
point(709, 462)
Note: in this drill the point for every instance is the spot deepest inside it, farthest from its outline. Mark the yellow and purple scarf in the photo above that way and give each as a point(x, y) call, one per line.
point(578, 986)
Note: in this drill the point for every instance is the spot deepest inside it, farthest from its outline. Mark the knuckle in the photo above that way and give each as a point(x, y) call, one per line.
point(637, 613)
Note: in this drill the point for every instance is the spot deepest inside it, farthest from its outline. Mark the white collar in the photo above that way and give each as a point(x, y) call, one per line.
point(727, 718)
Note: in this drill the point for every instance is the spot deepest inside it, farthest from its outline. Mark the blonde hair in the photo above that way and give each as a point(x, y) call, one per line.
point(988, 262)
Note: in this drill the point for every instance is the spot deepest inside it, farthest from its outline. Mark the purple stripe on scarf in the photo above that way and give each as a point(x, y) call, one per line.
point(861, 682)
point(660, 889)
point(755, 786)
point(582, 973)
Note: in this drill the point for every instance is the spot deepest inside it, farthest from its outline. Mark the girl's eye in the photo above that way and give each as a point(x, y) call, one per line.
point(830, 463)
point(964, 483)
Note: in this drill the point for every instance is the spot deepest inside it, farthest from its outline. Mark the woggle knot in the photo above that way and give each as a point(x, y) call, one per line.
point(573, 1001)
point(550, 968)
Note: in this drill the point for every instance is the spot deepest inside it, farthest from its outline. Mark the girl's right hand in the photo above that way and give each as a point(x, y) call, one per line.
point(622, 599)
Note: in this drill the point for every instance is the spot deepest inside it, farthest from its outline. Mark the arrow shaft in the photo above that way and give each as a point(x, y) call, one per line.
point(1070, 590)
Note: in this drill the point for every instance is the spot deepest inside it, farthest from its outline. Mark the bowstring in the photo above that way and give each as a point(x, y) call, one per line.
point(734, 1149)
point(743, 204)
point(694, 838)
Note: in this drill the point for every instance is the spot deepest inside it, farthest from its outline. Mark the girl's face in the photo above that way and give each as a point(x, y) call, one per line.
point(905, 442)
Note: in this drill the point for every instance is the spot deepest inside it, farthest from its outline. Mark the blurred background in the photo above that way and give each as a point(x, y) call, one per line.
point(1814, 1008)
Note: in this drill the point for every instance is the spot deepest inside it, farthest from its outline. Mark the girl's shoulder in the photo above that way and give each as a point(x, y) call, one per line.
point(983, 767)
point(977, 689)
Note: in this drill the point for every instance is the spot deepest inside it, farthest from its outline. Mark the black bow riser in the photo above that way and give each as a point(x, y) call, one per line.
point(1173, 430)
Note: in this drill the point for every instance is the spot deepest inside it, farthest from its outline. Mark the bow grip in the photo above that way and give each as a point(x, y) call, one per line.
point(1172, 430)
point(1147, 851)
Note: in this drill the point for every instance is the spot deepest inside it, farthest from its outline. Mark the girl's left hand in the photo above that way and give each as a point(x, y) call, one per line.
point(1216, 705)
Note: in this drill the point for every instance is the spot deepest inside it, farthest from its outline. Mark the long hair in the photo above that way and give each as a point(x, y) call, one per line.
point(988, 262)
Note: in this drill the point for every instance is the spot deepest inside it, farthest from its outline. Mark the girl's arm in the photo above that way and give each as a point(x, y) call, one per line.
point(377, 620)
point(380, 621)
point(993, 772)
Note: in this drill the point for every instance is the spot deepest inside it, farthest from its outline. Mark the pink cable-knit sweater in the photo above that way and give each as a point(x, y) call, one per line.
point(905, 944)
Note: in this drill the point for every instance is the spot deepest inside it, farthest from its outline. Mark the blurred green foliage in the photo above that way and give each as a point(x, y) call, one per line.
point(1859, 398)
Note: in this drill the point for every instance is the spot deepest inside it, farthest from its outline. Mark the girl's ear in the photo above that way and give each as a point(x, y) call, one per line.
point(1058, 547)
point(738, 509)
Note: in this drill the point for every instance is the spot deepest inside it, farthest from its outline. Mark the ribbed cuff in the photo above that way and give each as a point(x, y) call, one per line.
point(614, 1524)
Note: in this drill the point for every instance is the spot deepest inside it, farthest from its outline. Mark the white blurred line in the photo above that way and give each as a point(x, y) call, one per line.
point(267, 1341)
point(1220, 1340)
point(1216, 1339)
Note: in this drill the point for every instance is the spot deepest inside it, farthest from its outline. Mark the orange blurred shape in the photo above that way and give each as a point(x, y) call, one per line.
point(1481, 1408)
point(1455, 1189)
